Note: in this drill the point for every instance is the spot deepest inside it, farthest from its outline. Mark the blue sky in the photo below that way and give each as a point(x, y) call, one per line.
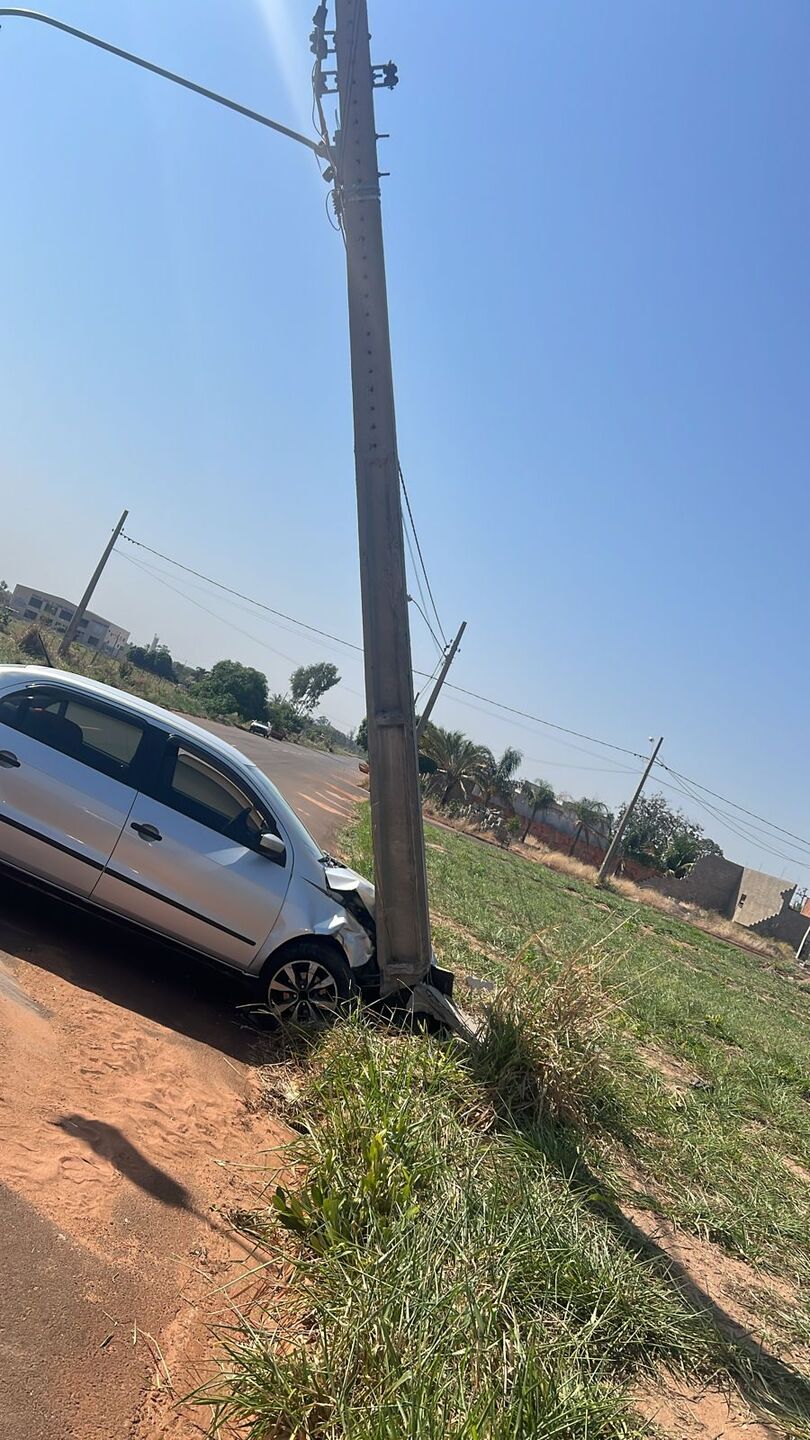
point(597, 237)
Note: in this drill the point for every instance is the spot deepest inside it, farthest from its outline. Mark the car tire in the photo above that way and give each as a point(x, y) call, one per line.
point(308, 984)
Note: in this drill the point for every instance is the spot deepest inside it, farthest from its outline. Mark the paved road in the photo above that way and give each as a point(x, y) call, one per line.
point(124, 1071)
point(321, 788)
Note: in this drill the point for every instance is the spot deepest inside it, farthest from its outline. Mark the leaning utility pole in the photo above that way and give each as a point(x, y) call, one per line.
point(403, 921)
point(434, 694)
point(609, 863)
point(73, 626)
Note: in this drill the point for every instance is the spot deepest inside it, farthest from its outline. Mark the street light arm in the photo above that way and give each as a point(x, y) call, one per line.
point(315, 145)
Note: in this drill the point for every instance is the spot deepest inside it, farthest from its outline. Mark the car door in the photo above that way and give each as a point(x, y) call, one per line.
point(188, 863)
point(68, 767)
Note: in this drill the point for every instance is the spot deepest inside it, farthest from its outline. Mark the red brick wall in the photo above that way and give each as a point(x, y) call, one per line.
point(588, 854)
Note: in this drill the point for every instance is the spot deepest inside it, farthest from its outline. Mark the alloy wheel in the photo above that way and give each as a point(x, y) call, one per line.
point(304, 992)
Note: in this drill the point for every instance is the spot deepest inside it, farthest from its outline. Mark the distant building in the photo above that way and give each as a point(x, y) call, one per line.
point(94, 631)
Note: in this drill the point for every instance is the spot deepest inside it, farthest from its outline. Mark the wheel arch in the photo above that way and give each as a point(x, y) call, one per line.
point(324, 944)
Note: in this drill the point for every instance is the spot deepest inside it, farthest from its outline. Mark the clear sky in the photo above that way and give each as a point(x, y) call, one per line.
point(597, 242)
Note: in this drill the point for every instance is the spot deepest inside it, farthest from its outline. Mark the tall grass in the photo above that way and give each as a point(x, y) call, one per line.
point(447, 1282)
point(121, 674)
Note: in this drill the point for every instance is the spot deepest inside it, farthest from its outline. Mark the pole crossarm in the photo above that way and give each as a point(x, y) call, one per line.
point(317, 146)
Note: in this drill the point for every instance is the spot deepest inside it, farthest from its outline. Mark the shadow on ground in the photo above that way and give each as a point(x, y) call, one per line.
point(768, 1383)
point(111, 1144)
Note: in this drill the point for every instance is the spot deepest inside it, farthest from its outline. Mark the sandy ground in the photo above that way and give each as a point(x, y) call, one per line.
point(128, 1130)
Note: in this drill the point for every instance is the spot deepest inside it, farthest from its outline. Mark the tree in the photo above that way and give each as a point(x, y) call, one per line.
point(309, 683)
point(283, 716)
point(498, 782)
point(663, 838)
point(538, 795)
point(361, 738)
point(593, 817)
point(461, 766)
point(158, 660)
point(230, 688)
point(5, 605)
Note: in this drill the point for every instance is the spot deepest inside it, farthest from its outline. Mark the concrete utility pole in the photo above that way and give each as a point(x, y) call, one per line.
point(609, 863)
point(434, 694)
point(70, 633)
point(403, 922)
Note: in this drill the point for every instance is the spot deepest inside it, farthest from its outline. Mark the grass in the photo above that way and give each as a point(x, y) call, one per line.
point(82, 661)
point(448, 1282)
point(462, 1255)
point(124, 675)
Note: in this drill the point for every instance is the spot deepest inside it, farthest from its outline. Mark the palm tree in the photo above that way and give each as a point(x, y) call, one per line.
point(592, 815)
point(461, 766)
point(498, 782)
point(538, 795)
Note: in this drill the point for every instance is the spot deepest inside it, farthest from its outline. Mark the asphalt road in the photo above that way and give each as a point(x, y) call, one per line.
point(130, 1119)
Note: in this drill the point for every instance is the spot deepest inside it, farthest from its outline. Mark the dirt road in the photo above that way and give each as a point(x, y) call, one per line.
point(127, 1121)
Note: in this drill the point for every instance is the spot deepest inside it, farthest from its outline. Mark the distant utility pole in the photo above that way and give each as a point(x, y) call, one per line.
point(434, 694)
point(78, 613)
point(403, 922)
point(609, 863)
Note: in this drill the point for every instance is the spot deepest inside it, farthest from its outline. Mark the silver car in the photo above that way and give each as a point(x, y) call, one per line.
point(143, 815)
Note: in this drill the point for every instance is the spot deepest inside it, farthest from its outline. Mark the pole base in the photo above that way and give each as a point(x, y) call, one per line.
point(427, 1003)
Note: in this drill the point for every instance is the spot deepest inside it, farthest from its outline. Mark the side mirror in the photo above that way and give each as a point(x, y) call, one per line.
point(274, 846)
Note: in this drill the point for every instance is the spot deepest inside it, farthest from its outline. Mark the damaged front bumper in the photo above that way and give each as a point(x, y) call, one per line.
point(358, 935)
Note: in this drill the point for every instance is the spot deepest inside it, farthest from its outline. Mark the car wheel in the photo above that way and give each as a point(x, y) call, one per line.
point(307, 986)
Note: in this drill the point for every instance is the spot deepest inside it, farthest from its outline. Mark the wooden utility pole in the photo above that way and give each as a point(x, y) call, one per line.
point(434, 694)
point(609, 863)
point(73, 625)
point(402, 918)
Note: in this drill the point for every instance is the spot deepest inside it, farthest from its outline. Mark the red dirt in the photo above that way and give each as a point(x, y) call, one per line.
point(683, 1410)
point(124, 1129)
point(731, 1291)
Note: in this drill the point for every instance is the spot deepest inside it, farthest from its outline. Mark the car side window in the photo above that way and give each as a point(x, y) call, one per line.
point(11, 708)
point(197, 787)
point(93, 735)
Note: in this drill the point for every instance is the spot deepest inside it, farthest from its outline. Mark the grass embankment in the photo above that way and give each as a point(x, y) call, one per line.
point(124, 675)
point(82, 661)
point(477, 1242)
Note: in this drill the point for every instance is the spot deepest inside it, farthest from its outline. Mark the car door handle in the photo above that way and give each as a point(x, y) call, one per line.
point(146, 832)
point(8, 760)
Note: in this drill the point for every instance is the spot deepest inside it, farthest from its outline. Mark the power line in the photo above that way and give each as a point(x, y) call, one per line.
point(223, 619)
point(752, 814)
point(149, 570)
point(240, 596)
point(496, 704)
point(576, 765)
point(744, 834)
point(429, 680)
point(421, 556)
point(417, 577)
point(246, 609)
point(538, 720)
point(734, 827)
point(532, 729)
point(433, 635)
point(351, 645)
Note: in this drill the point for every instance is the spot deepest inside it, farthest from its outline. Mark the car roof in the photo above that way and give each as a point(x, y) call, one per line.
point(178, 724)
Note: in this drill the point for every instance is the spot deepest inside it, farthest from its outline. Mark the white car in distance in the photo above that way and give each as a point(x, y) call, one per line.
point(120, 805)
